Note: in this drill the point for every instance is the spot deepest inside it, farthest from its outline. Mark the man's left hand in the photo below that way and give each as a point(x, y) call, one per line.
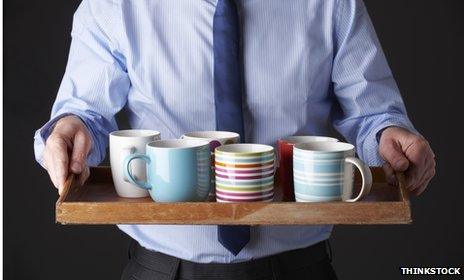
point(408, 152)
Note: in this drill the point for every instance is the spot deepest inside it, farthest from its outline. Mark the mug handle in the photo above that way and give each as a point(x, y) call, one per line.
point(125, 152)
point(366, 178)
point(128, 170)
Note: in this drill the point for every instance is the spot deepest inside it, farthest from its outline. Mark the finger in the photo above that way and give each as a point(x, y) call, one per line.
point(53, 178)
point(50, 167)
point(60, 158)
point(419, 155)
point(389, 174)
point(83, 176)
point(429, 170)
point(422, 185)
point(392, 153)
point(411, 178)
point(424, 172)
point(420, 158)
point(81, 148)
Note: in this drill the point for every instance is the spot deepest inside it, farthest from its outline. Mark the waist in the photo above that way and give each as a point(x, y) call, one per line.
point(200, 244)
point(289, 260)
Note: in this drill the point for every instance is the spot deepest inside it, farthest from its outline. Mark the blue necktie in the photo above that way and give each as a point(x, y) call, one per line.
point(228, 97)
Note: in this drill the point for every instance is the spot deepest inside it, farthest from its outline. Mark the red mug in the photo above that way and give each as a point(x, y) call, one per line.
point(285, 169)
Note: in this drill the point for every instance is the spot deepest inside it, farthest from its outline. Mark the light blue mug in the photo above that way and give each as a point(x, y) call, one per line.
point(177, 170)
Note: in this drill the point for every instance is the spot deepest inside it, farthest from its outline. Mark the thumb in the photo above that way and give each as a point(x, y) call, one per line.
point(81, 148)
point(392, 152)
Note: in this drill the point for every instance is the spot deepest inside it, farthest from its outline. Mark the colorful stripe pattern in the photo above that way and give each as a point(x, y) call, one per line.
point(244, 176)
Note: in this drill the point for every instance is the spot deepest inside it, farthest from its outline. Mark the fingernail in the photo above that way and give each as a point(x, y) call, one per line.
point(76, 167)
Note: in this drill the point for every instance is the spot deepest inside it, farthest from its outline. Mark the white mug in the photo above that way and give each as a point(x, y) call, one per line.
point(215, 139)
point(122, 144)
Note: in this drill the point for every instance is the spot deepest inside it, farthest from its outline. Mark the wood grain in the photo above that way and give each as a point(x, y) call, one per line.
point(96, 202)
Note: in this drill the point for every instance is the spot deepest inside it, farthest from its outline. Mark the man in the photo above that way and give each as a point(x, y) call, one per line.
point(278, 67)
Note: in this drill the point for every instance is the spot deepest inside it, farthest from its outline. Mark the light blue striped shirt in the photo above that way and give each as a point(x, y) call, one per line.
point(308, 64)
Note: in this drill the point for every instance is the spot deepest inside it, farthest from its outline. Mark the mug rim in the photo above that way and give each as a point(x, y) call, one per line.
point(226, 149)
point(315, 138)
point(324, 147)
point(203, 134)
point(134, 133)
point(177, 144)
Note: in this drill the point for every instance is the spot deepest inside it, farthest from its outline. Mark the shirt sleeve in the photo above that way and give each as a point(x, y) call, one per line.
point(364, 87)
point(95, 84)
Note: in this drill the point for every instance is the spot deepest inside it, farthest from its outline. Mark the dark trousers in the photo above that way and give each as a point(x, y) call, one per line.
point(308, 263)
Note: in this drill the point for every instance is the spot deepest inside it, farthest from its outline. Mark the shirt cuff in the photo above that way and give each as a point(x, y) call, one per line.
point(370, 146)
point(41, 135)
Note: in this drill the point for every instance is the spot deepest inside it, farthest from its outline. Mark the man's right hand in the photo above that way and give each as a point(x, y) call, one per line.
point(66, 151)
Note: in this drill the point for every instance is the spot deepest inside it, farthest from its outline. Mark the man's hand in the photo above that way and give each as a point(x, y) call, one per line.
point(405, 151)
point(66, 151)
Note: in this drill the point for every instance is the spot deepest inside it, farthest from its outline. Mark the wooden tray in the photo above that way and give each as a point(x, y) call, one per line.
point(96, 202)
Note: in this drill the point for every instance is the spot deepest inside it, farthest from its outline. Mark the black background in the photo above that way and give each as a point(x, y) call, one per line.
point(423, 41)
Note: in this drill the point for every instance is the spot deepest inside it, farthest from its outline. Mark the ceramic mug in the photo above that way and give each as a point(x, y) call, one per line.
point(215, 139)
point(244, 173)
point(122, 144)
point(177, 170)
point(285, 169)
point(323, 171)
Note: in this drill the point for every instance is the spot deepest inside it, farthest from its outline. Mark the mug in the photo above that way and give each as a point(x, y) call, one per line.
point(285, 169)
point(244, 173)
point(177, 170)
point(215, 139)
point(122, 144)
point(323, 171)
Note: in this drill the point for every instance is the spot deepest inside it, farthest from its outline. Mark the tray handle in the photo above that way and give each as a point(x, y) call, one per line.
point(401, 178)
point(66, 188)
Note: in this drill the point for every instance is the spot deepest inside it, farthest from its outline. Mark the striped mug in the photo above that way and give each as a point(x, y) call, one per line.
point(244, 173)
point(323, 171)
point(285, 170)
